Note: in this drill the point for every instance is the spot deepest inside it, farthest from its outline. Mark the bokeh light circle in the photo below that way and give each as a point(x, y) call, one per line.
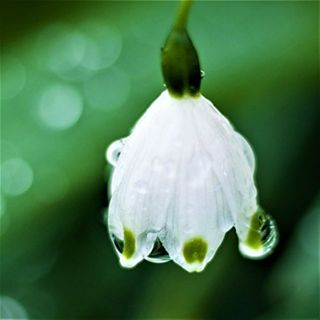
point(103, 45)
point(11, 309)
point(108, 89)
point(16, 176)
point(60, 48)
point(60, 106)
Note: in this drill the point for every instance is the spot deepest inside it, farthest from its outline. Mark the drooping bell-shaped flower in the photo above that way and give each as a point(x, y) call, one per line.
point(184, 176)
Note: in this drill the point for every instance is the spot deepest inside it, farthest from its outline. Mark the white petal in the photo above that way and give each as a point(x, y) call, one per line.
point(194, 229)
point(214, 186)
point(131, 230)
point(140, 189)
point(247, 150)
point(184, 176)
point(234, 165)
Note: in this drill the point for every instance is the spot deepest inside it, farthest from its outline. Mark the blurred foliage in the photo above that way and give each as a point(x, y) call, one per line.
point(77, 75)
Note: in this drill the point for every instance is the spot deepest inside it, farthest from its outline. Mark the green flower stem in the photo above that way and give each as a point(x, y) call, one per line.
point(183, 13)
point(179, 59)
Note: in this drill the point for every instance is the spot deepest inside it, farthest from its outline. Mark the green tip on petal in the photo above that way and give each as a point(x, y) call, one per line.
point(129, 243)
point(195, 250)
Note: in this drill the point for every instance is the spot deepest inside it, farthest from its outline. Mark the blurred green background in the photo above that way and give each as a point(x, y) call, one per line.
point(76, 76)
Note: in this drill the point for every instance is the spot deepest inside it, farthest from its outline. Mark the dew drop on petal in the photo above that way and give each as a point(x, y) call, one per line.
point(117, 244)
point(262, 237)
point(141, 187)
point(158, 254)
point(114, 150)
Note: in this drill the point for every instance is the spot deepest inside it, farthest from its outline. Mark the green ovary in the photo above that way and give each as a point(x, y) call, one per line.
point(129, 243)
point(195, 250)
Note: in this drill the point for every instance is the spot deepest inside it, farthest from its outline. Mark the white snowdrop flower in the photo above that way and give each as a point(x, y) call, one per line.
point(184, 176)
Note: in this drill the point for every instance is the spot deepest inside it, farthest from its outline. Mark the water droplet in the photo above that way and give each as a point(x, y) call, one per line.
point(118, 244)
point(141, 187)
point(158, 254)
point(114, 151)
point(262, 237)
point(16, 176)
point(202, 74)
point(164, 85)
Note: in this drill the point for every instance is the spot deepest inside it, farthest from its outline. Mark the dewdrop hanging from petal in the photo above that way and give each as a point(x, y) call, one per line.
point(184, 176)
